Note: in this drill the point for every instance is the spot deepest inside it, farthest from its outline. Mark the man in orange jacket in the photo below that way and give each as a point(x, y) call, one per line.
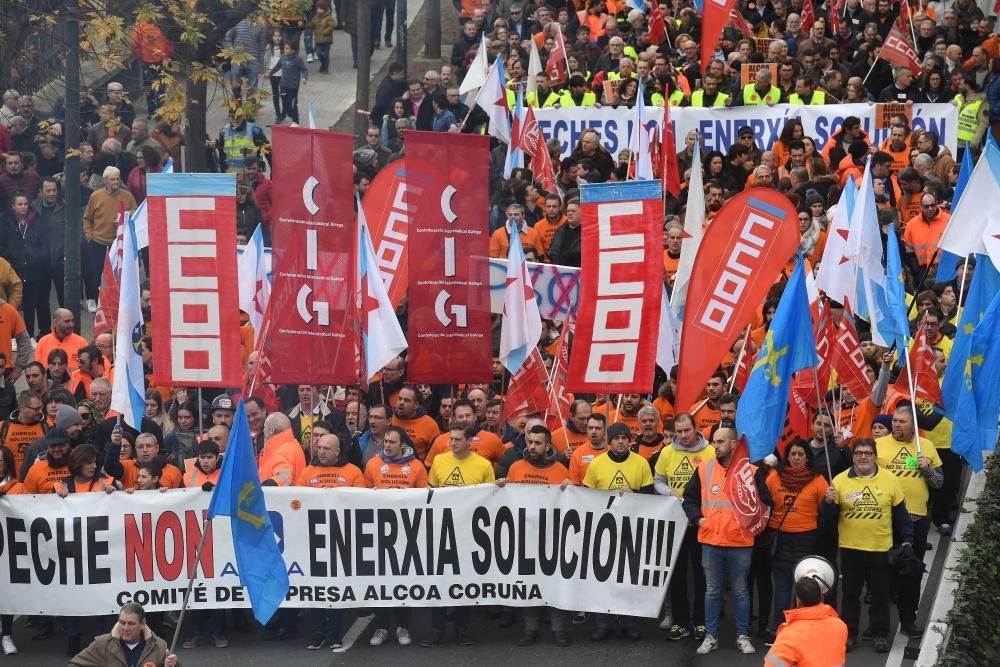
point(281, 461)
point(812, 634)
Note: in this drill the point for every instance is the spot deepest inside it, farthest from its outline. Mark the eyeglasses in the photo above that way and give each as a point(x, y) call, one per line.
point(865, 453)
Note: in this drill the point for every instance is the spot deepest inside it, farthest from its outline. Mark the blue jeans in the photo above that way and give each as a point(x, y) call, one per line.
point(307, 37)
point(248, 70)
point(783, 594)
point(323, 53)
point(327, 623)
point(717, 561)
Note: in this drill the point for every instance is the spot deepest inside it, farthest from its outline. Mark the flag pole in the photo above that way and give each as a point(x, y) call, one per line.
point(870, 69)
point(190, 585)
point(961, 290)
point(201, 422)
point(739, 360)
point(819, 404)
point(913, 394)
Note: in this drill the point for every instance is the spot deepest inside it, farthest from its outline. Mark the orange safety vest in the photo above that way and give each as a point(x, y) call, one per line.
point(720, 528)
point(594, 22)
point(194, 478)
point(924, 236)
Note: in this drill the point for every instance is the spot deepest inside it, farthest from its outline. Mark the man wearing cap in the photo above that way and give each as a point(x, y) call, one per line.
point(43, 475)
point(68, 419)
point(223, 411)
point(761, 91)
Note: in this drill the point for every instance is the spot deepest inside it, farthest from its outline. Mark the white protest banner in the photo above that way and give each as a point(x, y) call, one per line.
point(521, 545)
point(556, 288)
point(719, 126)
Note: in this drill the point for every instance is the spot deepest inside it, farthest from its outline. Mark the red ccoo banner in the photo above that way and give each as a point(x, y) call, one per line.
point(751, 238)
point(389, 223)
point(313, 249)
point(192, 231)
point(621, 278)
point(449, 332)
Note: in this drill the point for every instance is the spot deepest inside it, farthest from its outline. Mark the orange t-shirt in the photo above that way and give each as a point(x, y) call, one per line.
point(666, 410)
point(12, 487)
point(670, 266)
point(802, 508)
point(546, 230)
point(19, 436)
point(11, 325)
point(42, 477)
point(171, 477)
point(71, 344)
point(331, 477)
point(705, 417)
point(381, 474)
point(421, 430)
point(645, 450)
point(858, 419)
point(566, 440)
point(581, 460)
point(484, 443)
point(522, 472)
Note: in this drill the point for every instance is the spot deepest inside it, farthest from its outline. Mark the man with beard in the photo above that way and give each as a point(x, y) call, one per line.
point(596, 445)
point(44, 474)
point(420, 427)
point(15, 434)
point(627, 413)
point(67, 419)
point(649, 441)
point(714, 198)
point(706, 413)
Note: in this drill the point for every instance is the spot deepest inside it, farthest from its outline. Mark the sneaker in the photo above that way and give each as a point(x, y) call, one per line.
point(220, 641)
point(316, 643)
point(945, 530)
point(709, 645)
point(667, 622)
point(91, 306)
point(190, 643)
point(403, 637)
point(881, 645)
point(388, 42)
point(8, 645)
point(744, 645)
point(378, 44)
point(335, 644)
point(911, 630)
point(678, 632)
point(379, 637)
point(699, 632)
point(309, 58)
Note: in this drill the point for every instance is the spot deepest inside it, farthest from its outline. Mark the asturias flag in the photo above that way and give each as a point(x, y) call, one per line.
point(975, 427)
point(788, 347)
point(238, 495)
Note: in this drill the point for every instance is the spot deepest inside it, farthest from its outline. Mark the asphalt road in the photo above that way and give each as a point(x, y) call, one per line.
point(493, 644)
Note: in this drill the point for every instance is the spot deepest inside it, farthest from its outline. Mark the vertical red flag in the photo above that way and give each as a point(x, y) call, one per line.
point(848, 360)
point(742, 371)
point(556, 65)
point(670, 173)
point(746, 246)
point(657, 26)
point(836, 7)
point(527, 393)
point(559, 403)
point(533, 143)
point(106, 318)
point(925, 379)
point(806, 380)
point(258, 379)
point(449, 333)
point(715, 15)
point(749, 510)
point(385, 209)
point(808, 15)
point(737, 21)
point(621, 281)
point(314, 235)
point(193, 279)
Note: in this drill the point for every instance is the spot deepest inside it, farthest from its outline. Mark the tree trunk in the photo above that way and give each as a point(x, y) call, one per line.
point(195, 130)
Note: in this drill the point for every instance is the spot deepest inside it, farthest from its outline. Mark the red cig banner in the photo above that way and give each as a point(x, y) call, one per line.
point(313, 249)
point(621, 278)
point(449, 306)
point(196, 323)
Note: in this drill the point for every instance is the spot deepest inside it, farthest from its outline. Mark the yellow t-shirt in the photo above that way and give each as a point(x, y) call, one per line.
point(606, 473)
point(940, 435)
point(892, 455)
point(449, 471)
point(866, 509)
point(678, 465)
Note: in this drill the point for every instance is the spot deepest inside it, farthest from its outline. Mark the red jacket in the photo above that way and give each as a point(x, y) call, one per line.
point(262, 195)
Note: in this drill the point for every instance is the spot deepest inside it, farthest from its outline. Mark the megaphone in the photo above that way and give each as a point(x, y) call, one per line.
point(818, 568)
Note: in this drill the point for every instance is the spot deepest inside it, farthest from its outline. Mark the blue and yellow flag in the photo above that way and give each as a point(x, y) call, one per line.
point(975, 427)
point(788, 347)
point(238, 496)
point(984, 286)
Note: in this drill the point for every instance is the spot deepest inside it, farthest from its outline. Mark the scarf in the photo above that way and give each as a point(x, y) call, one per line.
point(809, 238)
point(795, 479)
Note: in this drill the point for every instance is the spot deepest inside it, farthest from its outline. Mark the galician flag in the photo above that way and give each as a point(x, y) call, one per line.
point(639, 139)
point(693, 234)
point(383, 338)
point(128, 392)
point(492, 98)
point(522, 325)
point(254, 285)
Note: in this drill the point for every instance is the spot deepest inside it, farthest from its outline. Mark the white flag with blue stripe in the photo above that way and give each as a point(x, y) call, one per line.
point(141, 221)
point(382, 336)
point(128, 392)
point(522, 325)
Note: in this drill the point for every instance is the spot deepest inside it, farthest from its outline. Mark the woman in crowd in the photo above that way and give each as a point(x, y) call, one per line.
point(154, 411)
point(181, 441)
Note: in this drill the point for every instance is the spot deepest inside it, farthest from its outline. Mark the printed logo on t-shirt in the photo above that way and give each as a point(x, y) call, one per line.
point(898, 465)
point(618, 481)
point(864, 505)
point(455, 478)
point(684, 469)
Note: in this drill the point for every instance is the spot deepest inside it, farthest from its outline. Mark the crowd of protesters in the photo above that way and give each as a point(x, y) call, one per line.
point(62, 437)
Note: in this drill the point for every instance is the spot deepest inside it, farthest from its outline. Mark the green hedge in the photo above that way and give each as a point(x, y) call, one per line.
point(975, 616)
